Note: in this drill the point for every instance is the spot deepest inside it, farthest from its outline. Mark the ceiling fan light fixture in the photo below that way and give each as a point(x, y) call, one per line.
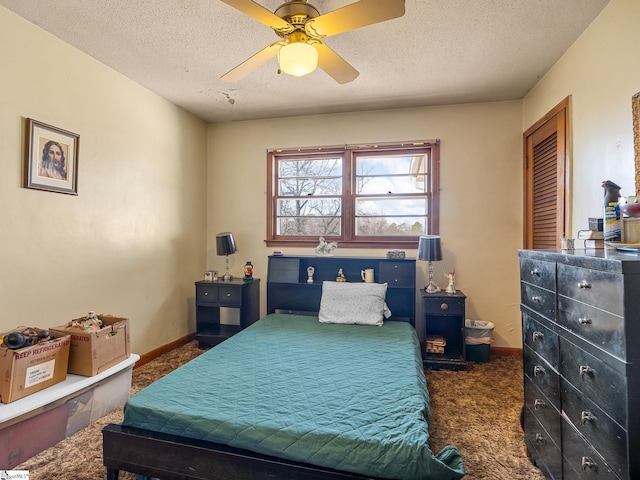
point(298, 59)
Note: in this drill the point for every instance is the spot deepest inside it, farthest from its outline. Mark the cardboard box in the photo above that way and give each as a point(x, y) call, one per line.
point(31, 369)
point(92, 353)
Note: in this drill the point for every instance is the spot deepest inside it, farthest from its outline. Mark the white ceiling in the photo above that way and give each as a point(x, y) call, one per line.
point(439, 52)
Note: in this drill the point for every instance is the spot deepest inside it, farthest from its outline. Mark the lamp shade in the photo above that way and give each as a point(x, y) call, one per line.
point(225, 244)
point(298, 59)
point(429, 248)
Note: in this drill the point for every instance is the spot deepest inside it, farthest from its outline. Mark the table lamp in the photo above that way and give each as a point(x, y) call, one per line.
point(226, 245)
point(429, 250)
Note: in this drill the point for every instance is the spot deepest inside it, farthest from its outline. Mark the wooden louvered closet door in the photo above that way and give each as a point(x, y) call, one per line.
point(545, 180)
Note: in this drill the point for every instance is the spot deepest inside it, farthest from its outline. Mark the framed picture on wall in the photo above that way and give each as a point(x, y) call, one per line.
point(51, 161)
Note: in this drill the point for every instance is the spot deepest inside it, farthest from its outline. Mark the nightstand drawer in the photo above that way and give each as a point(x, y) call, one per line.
point(443, 306)
point(229, 297)
point(207, 293)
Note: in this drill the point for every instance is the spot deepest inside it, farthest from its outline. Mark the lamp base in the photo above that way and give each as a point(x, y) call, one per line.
point(227, 277)
point(432, 288)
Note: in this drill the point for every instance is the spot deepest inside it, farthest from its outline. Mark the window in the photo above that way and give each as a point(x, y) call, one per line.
point(359, 196)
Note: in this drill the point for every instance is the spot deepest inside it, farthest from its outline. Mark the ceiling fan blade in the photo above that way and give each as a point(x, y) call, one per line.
point(252, 62)
point(257, 11)
point(355, 15)
point(335, 66)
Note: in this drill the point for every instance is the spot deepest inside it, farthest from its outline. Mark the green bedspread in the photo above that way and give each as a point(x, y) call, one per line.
point(348, 397)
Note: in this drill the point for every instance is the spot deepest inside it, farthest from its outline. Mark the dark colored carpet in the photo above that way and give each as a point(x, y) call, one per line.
point(476, 410)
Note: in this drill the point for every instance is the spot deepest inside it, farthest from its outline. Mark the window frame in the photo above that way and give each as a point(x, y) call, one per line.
point(349, 153)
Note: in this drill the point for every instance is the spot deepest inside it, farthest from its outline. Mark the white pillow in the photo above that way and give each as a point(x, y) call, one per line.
point(353, 303)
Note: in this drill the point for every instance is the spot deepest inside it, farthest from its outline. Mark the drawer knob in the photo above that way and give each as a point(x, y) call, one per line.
point(536, 298)
point(206, 294)
point(587, 417)
point(535, 272)
point(538, 403)
point(444, 306)
point(584, 284)
point(539, 439)
point(228, 294)
point(585, 370)
point(537, 336)
point(584, 321)
point(588, 463)
point(538, 370)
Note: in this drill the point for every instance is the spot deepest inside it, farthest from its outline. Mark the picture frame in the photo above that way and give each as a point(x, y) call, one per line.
point(635, 108)
point(51, 158)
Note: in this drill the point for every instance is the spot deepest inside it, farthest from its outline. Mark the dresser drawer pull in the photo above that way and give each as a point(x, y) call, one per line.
point(538, 370)
point(539, 439)
point(444, 306)
point(206, 294)
point(585, 370)
point(587, 417)
point(228, 295)
point(538, 402)
point(584, 321)
point(584, 284)
point(536, 298)
point(535, 272)
point(537, 336)
point(588, 463)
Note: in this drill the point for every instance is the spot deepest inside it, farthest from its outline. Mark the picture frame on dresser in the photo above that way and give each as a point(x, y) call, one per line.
point(51, 158)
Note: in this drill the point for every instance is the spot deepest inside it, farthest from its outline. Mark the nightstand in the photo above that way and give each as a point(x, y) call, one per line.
point(211, 296)
point(443, 315)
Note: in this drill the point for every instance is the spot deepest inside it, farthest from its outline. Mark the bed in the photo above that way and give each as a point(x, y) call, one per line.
point(331, 396)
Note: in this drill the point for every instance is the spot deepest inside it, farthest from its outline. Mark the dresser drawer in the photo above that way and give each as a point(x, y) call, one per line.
point(604, 329)
point(207, 293)
point(544, 449)
point(543, 376)
point(605, 435)
point(602, 384)
point(541, 340)
point(539, 406)
point(536, 272)
point(581, 460)
point(593, 287)
point(397, 274)
point(229, 297)
point(539, 300)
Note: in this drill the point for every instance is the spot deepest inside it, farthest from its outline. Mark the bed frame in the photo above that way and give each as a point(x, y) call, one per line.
point(173, 457)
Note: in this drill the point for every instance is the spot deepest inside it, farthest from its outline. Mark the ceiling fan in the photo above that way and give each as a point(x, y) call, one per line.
point(302, 29)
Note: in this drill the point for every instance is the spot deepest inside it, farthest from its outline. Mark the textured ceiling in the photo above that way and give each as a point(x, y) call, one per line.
point(439, 52)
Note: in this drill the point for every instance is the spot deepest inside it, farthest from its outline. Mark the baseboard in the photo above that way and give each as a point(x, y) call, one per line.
point(506, 351)
point(153, 354)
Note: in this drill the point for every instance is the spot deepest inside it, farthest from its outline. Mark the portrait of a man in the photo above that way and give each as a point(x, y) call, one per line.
point(53, 163)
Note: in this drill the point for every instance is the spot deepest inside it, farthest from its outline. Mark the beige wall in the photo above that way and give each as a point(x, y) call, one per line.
point(480, 209)
point(600, 72)
point(133, 241)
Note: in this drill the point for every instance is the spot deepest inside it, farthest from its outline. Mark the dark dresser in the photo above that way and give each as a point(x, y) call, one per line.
point(581, 353)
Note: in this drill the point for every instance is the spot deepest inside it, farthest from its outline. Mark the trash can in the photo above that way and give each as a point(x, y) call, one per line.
point(478, 339)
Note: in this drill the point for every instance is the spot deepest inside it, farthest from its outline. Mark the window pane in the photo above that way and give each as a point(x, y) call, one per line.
point(391, 174)
point(386, 226)
point(298, 187)
point(305, 226)
point(310, 167)
point(391, 206)
point(309, 207)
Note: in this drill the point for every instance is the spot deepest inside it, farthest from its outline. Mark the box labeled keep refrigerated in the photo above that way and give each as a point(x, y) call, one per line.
point(31, 369)
point(93, 352)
